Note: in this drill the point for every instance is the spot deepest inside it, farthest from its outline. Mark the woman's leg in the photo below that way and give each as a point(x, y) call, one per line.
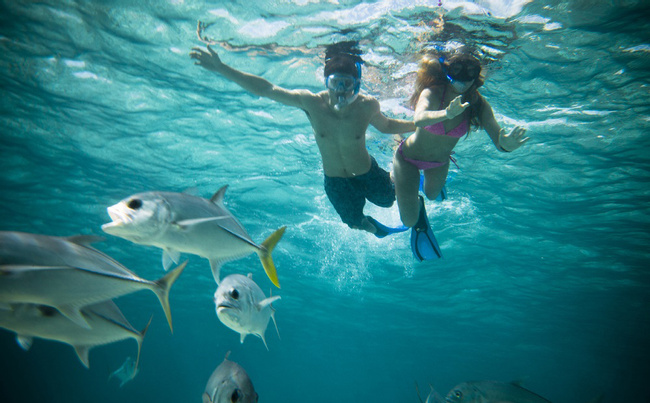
point(434, 180)
point(407, 184)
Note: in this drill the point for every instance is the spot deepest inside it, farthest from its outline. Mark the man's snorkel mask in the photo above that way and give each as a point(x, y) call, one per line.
point(344, 86)
point(343, 72)
point(461, 71)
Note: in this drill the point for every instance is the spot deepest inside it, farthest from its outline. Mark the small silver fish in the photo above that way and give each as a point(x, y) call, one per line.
point(492, 392)
point(108, 325)
point(242, 306)
point(229, 383)
point(68, 274)
point(126, 372)
point(178, 222)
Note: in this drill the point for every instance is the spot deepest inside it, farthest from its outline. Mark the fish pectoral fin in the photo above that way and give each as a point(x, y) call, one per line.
point(73, 312)
point(82, 353)
point(266, 302)
point(25, 342)
point(206, 398)
point(187, 224)
point(170, 256)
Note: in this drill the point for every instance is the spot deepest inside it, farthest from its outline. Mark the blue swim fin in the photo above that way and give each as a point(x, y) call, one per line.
point(423, 243)
point(383, 230)
point(443, 193)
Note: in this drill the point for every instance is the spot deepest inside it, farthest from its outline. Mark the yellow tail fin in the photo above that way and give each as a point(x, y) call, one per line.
point(265, 255)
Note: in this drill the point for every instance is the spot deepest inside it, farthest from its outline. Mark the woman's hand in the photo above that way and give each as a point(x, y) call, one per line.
point(514, 140)
point(209, 60)
point(455, 107)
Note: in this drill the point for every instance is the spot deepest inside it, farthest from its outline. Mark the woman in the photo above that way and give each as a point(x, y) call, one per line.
point(447, 104)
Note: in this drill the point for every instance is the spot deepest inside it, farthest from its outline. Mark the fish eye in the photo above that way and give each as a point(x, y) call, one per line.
point(134, 204)
point(234, 293)
point(458, 394)
point(235, 396)
point(47, 310)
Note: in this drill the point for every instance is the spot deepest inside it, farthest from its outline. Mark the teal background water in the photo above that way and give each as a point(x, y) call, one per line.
point(545, 277)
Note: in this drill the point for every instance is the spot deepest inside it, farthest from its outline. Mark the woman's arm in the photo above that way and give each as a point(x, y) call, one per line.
point(424, 116)
point(503, 141)
point(257, 85)
point(391, 126)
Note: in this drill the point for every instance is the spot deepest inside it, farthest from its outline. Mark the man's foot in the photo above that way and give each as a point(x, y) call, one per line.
point(382, 231)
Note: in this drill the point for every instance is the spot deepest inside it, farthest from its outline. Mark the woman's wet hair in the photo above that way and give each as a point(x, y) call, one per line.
point(344, 58)
point(433, 72)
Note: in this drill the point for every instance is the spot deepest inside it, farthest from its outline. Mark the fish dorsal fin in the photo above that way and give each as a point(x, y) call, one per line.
point(85, 240)
point(25, 342)
point(227, 355)
point(82, 353)
point(250, 275)
point(217, 198)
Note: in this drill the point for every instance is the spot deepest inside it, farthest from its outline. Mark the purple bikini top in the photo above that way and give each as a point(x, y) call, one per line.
point(439, 128)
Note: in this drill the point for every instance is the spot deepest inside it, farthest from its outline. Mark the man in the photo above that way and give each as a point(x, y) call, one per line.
point(339, 117)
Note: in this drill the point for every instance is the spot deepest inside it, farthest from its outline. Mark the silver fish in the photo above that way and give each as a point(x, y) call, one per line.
point(229, 383)
point(492, 392)
point(67, 274)
point(107, 322)
point(178, 222)
point(242, 306)
point(126, 372)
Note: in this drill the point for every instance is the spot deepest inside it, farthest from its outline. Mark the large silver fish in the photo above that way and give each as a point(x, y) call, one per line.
point(242, 306)
point(229, 383)
point(492, 392)
point(107, 323)
point(178, 222)
point(126, 372)
point(67, 274)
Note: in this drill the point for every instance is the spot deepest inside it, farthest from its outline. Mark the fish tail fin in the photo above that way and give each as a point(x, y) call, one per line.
point(265, 255)
point(139, 340)
point(162, 288)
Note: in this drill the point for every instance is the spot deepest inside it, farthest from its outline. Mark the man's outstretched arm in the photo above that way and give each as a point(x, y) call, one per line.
point(210, 60)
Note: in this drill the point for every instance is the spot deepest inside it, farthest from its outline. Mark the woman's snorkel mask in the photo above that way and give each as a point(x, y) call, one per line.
point(461, 72)
point(344, 86)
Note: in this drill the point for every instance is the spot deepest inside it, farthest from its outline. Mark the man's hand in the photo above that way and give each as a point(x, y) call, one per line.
point(209, 60)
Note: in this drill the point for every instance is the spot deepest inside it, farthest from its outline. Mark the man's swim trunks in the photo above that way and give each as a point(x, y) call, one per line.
point(348, 195)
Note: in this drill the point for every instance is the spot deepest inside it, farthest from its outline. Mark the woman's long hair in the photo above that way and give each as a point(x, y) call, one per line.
point(431, 74)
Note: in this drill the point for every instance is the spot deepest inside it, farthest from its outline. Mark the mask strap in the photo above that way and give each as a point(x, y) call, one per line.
point(357, 86)
point(444, 68)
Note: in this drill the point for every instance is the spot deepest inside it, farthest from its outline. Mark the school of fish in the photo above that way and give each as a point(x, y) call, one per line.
point(63, 289)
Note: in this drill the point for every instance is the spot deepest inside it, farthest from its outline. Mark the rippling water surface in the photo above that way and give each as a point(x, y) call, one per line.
point(545, 277)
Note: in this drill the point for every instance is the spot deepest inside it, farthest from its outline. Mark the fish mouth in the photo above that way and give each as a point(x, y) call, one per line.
point(118, 217)
point(224, 306)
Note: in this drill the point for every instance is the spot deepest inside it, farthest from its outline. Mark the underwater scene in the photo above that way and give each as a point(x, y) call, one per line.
point(168, 229)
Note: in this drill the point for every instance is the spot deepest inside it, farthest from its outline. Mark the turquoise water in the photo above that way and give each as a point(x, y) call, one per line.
point(545, 276)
